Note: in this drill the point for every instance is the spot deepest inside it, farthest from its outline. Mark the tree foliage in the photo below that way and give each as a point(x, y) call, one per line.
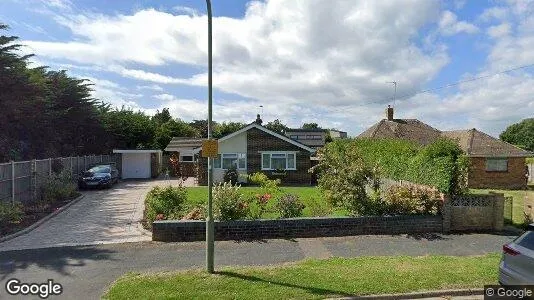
point(310, 126)
point(520, 134)
point(277, 126)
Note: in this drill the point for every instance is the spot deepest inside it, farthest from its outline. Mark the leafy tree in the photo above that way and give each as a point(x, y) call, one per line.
point(224, 128)
point(128, 129)
point(202, 127)
point(310, 126)
point(162, 117)
point(520, 134)
point(170, 129)
point(277, 126)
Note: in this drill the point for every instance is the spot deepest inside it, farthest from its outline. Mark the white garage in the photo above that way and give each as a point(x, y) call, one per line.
point(138, 163)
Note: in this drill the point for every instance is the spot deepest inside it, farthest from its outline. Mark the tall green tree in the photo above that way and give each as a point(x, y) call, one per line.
point(310, 126)
point(277, 126)
point(170, 129)
point(162, 117)
point(128, 129)
point(226, 128)
point(520, 134)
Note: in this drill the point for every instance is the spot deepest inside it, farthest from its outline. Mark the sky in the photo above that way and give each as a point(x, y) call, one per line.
point(329, 62)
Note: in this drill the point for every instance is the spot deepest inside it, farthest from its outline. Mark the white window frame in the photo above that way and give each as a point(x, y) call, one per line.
point(264, 168)
point(187, 161)
point(221, 156)
point(502, 159)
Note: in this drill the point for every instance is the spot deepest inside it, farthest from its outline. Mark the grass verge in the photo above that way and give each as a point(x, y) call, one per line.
point(315, 279)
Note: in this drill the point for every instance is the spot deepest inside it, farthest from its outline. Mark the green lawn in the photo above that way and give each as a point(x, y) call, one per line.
point(518, 202)
point(312, 198)
point(315, 279)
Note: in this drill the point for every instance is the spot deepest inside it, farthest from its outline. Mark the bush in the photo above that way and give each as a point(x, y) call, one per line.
point(10, 214)
point(164, 202)
point(231, 176)
point(290, 206)
point(411, 199)
point(197, 213)
point(228, 202)
point(343, 177)
point(269, 186)
point(258, 206)
point(58, 187)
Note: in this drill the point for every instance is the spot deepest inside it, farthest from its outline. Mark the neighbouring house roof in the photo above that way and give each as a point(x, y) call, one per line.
point(135, 151)
point(183, 143)
point(479, 144)
point(407, 129)
point(475, 143)
point(305, 130)
point(257, 126)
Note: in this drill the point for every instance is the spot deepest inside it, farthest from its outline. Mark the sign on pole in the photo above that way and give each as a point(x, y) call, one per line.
point(210, 148)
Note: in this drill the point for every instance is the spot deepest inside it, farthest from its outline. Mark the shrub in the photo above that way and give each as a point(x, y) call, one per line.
point(289, 206)
point(10, 214)
point(58, 187)
point(411, 199)
point(228, 202)
point(197, 213)
point(343, 176)
point(258, 205)
point(164, 202)
point(231, 176)
point(269, 186)
point(319, 208)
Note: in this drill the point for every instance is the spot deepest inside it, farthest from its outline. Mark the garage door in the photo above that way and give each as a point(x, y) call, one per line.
point(135, 165)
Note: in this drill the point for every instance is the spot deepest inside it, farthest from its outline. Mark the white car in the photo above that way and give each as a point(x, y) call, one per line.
point(517, 263)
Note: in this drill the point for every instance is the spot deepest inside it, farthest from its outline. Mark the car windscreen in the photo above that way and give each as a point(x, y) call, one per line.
point(526, 240)
point(99, 169)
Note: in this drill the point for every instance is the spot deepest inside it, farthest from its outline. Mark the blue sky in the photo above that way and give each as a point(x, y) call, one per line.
point(304, 61)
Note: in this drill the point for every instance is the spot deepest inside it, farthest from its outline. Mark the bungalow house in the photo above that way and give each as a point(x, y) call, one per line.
point(314, 138)
point(493, 163)
point(251, 149)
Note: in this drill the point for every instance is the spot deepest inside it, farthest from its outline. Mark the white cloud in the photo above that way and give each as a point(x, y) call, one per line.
point(499, 31)
point(449, 25)
point(185, 9)
point(309, 60)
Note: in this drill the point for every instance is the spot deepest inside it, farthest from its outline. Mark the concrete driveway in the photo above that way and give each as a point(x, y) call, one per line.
point(102, 217)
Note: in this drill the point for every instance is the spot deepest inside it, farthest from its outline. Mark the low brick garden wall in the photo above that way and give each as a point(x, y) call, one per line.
point(185, 231)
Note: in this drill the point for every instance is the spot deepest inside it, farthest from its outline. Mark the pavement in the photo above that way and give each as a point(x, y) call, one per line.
point(86, 272)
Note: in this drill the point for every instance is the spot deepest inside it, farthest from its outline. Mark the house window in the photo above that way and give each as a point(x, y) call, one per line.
point(278, 161)
point(496, 164)
point(186, 158)
point(226, 161)
point(294, 137)
point(313, 137)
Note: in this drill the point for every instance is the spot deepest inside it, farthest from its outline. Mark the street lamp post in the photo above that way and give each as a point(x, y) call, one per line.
point(210, 244)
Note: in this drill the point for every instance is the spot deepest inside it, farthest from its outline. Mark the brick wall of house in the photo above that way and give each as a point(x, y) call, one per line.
point(514, 178)
point(258, 140)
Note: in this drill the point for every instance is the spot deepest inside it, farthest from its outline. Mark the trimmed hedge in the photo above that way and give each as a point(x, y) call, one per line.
point(441, 164)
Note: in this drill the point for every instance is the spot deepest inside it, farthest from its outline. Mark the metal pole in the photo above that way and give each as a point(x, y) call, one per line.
point(210, 244)
point(13, 182)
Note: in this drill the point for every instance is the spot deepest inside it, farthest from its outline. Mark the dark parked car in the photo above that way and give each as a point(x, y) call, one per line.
point(99, 176)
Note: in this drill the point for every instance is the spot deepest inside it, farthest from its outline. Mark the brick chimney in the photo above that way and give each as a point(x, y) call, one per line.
point(258, 119)
point(389, 113)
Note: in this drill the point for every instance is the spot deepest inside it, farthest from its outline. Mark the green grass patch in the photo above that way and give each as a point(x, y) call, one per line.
point(518, 201)
point(316, 205)
point(315, 279)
